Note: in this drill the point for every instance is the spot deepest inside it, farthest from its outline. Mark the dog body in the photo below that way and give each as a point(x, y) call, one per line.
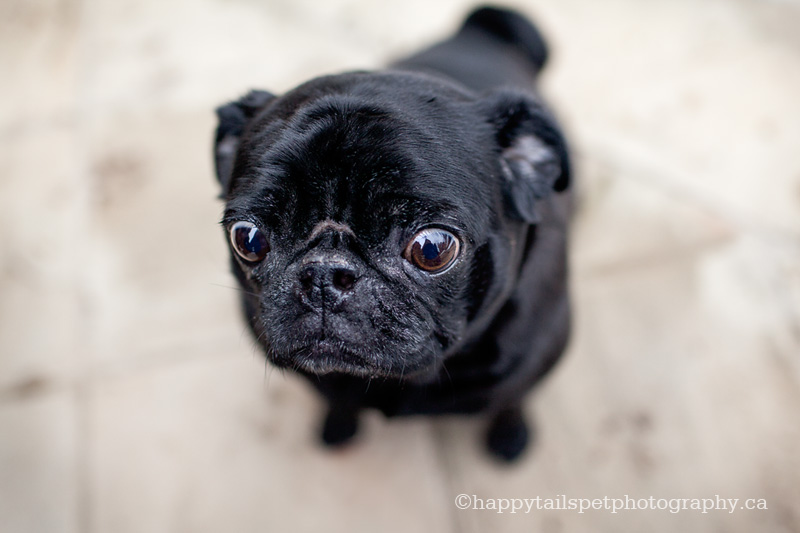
point(401, 236)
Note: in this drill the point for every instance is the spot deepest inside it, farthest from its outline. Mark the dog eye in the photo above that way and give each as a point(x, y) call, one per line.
point(432, 250)
point(249, 242)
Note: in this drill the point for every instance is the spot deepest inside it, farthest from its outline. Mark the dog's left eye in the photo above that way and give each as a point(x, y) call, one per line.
point(433, 250)
point(249, 242)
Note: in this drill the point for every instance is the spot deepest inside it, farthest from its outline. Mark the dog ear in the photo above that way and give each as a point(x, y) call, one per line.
point(533, 152)
point(233, 119)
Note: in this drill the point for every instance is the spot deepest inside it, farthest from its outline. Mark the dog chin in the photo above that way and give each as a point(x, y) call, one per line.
point(332, 357)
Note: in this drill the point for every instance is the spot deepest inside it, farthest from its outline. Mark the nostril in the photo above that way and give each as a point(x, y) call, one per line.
point(343, 279)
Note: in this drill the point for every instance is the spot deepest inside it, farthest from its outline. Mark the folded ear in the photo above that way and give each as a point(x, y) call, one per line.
point(533, 153)
point(233, 118)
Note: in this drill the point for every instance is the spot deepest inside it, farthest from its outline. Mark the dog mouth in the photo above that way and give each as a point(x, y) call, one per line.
point(328, 356)
point(356, 344)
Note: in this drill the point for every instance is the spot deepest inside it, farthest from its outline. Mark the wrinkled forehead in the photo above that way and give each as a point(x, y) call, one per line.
point(364, 165)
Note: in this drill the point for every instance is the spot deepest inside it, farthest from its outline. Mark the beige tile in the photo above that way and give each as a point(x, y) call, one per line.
point(752, 285)
point(38, 59)
point(39, 458)
point(623, 220)
point(702, 99)
point(200, 54)
point(42, 230)
point(158, 273)
point(215, 445)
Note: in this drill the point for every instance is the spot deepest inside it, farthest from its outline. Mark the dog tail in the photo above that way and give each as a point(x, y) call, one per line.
point(511, 28)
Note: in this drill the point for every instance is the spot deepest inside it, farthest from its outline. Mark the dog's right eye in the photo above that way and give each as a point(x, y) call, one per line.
point(433, 250)
point(249, 242)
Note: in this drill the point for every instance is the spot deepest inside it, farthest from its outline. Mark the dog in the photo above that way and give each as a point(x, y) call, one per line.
point(400, 237)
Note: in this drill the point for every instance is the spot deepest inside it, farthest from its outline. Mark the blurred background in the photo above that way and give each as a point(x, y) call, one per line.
point(132, 398)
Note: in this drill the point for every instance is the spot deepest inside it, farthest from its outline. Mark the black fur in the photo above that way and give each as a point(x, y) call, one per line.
point(341, 172)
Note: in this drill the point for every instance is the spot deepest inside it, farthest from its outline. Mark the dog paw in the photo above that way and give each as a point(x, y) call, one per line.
point(339, 428)
point(508, 435)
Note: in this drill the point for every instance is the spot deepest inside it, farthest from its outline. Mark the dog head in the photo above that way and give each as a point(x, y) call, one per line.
point(375, 220)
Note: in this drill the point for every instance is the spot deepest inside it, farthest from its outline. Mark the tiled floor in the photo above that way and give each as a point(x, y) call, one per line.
point(132, 399)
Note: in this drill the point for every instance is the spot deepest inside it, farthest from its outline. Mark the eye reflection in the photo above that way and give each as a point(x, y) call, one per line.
point(249, 242)
point(432, 250)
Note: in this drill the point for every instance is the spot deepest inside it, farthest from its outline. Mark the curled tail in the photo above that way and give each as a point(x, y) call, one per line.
point(511, 28)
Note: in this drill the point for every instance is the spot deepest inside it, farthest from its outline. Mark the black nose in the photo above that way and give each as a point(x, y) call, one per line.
point(321, 278)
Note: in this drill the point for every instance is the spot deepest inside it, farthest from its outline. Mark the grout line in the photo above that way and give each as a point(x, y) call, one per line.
point(73, 13)
point(83, 383)
point(86, 442)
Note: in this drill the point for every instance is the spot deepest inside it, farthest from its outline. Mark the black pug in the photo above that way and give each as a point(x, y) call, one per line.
point(397, 236)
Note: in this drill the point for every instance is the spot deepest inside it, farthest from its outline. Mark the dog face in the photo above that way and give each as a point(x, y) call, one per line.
point(374, 220)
